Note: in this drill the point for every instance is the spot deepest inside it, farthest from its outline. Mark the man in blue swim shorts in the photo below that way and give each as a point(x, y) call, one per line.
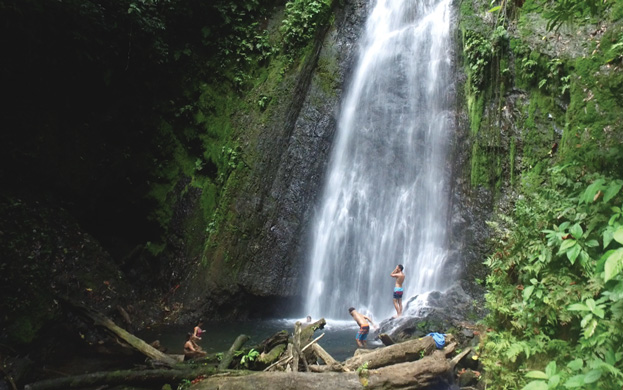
point(364, 327)
point(398, 290)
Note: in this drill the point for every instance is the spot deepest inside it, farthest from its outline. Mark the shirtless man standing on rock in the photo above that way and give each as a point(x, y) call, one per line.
point(398, 290)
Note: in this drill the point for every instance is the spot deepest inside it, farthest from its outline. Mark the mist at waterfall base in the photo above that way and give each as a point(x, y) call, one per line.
point(386, 196)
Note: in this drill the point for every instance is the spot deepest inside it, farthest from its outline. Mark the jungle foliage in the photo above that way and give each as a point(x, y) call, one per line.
point(122, 114)
point(555, 284)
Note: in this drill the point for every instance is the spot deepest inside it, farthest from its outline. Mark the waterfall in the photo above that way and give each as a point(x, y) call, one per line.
point(385, 200)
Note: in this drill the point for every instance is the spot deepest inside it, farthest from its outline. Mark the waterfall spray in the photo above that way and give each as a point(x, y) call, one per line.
point(385, 201)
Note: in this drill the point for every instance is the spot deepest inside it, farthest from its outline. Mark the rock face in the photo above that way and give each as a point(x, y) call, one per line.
point(272, 206)
point(438, 312)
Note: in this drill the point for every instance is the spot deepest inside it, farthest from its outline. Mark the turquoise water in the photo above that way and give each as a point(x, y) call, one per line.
point(338, 339)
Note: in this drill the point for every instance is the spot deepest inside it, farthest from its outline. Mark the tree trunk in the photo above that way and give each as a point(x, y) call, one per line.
point(397, 353)
point(422, 374)
point(229, 355)
point(307, 331)
point(419, 375)
point(270, 343)
point(100, 320)
point(151, 378)
point(326, 358)
point(386, 339)
point(296, 346)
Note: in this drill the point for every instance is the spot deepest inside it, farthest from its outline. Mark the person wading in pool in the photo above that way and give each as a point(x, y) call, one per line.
point(364, 327)
point(398, 290)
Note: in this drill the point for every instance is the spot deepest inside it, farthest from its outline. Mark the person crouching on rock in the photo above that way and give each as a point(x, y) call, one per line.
point(364, 327)
point(190, 351)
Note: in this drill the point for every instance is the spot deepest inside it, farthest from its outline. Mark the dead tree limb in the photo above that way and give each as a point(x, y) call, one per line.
point(422, 374)
point(326, 358)
point(229, 355)
point(398, 353)
point(125, 377)
point(100, 320)
point(296, 346)
point(288, 359)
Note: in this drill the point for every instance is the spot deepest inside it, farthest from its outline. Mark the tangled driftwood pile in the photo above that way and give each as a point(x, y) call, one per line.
point(284, 362)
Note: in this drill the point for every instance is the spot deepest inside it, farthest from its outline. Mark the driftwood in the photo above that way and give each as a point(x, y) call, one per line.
point(272, 355)
point(307, 330)
point(419, 375)
point(333, 364)
point(270, 343)
point(229, 355)
point(386, 339)
point(124, 377)
point(460, 356)
point(397, 353)
point(100, 320)
point(288, 359)
point(296, 346)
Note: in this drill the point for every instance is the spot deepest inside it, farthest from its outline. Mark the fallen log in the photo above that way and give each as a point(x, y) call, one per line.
point(426, 373)
point(419, 375)
point(458, 357)
point(398, 353)
point(326, 358)
point(288, 359)
point(307, 333)
point(124, 377)
point(386, 339)
point(229, 355)
point(100, 320)
point(272, 355)
point(270, 343)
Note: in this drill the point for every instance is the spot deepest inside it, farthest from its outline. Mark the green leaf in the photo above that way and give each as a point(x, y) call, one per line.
point(599, 312)
point(612, 190)
point(578, 307)
point(576, 231)
point(566, 245)
point(535, 385)
point(592, 243)
point(496, 8)
point(572, 254)
point(553, 381)
point(591, 304)
point(527, 292)
point(614, 264)
point(592, 376)
point(575, 381)
point(599, 267)
point(618, 235)
point(608, 233)
point(590, 329)
point(591, 191)
point(550, 370)
point(537, 375)
point(576, 364)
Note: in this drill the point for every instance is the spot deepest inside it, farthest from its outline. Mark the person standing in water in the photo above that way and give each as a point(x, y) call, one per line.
point(398, 290)
point(196, 335)
point(364, 327)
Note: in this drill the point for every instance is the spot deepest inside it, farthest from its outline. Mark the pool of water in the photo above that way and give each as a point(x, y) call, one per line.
point(338, 339)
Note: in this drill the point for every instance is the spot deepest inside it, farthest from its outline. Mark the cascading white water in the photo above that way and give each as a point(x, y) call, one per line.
point(386, 199)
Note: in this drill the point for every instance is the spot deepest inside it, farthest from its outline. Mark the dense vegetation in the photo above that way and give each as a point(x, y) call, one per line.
point(115, 114)
point(546, 123)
